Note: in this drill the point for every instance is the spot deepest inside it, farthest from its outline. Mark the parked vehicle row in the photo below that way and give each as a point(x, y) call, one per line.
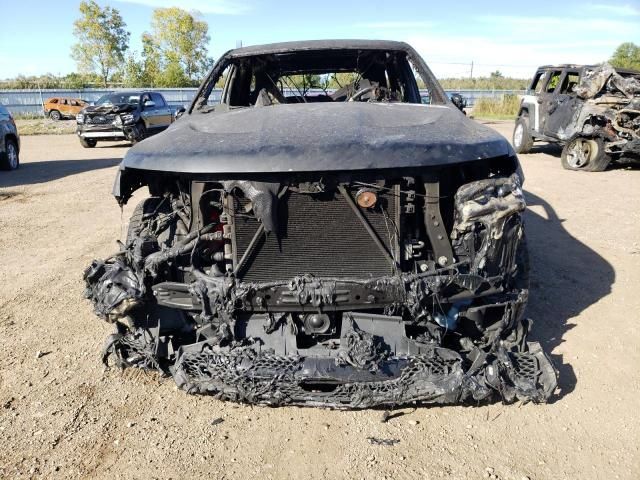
point(129, 115)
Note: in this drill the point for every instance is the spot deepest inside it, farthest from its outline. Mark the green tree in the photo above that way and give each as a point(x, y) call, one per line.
point(102, 40)
point(303, 82)
point(484, 83)
point(182, 39)
point(627, 55)
point(173, 76)
point(151, 62)
point(133, 72)
point(78, 80)
point(342, 79)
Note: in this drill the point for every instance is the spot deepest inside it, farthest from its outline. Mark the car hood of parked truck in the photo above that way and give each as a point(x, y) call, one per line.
point(109, 108)
point(309, 137)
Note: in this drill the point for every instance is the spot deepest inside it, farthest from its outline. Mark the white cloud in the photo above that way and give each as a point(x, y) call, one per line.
point(516, 45)
point(559, 28)
point(622, 10)
point(219, 7)
point(395, 25)
point(451, 56)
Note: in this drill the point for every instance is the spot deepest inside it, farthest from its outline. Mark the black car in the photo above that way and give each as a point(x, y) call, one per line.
point(459, 101)
point(9, 141)
point(117, 116)
point(350, 248)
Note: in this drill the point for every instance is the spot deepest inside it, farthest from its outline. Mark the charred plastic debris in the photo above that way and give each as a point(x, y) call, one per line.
point(364, 269)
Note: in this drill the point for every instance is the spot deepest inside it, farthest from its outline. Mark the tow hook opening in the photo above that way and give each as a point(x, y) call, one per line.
point(319, 386)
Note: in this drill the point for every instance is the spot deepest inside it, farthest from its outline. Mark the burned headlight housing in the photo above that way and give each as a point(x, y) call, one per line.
point(80, 118)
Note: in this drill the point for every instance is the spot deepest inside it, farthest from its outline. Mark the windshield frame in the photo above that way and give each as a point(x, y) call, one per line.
point(230, 59)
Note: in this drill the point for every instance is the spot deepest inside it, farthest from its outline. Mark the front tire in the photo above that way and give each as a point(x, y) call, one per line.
point(55, 115)
point(11, 159)
point(88, 142)
point(522, 139)
point(585, 154)
point(140, 133)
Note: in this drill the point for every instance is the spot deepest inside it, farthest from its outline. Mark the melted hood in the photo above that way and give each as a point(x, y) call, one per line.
point(317, 137)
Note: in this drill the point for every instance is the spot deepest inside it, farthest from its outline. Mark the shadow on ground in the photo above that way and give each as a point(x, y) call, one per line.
point(566, 278)
point(32, 173)
point(114, 145)
point(555, 150)
point(552, 149)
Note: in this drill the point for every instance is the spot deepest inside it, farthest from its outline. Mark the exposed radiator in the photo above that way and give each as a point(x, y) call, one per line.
point(319, 235)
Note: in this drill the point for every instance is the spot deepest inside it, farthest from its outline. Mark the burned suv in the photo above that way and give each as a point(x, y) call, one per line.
point(318, 236)
point(593, 111)
point(118, 116)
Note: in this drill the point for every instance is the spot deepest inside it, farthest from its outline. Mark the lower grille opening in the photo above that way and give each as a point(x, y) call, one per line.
point(324, 386)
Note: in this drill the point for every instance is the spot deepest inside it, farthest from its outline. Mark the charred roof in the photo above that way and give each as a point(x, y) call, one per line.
point(284, 47)
point(579, 67)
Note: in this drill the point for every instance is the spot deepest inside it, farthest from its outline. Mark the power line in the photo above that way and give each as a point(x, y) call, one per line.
point(484, 64)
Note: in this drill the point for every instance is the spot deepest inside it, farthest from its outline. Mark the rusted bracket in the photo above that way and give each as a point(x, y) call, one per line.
point(433, 223)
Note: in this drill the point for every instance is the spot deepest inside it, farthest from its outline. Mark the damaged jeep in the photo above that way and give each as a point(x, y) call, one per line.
point(348, 247)
point(593, 111)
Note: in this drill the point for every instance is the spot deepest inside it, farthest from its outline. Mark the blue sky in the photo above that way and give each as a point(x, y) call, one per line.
point(514, 37)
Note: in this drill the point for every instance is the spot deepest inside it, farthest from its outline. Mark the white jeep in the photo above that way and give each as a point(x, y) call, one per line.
point(593, 111)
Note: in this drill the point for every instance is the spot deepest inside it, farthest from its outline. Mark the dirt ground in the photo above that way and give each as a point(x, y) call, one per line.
point(62, 416)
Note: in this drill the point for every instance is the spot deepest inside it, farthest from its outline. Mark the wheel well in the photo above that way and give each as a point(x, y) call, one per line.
point(11, 136)
point(523, 111)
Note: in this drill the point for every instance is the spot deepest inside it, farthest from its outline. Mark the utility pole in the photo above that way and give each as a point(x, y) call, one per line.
point(238, 43)
point(471, 75)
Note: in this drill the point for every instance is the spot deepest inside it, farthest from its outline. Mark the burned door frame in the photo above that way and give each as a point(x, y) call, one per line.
point(546, 99)
point(562, 107)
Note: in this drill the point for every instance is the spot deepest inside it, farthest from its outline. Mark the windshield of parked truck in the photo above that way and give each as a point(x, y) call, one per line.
point(119, 99)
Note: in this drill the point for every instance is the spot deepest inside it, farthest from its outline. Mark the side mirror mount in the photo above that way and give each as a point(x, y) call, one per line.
point(149, 104)
point(180, 111)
